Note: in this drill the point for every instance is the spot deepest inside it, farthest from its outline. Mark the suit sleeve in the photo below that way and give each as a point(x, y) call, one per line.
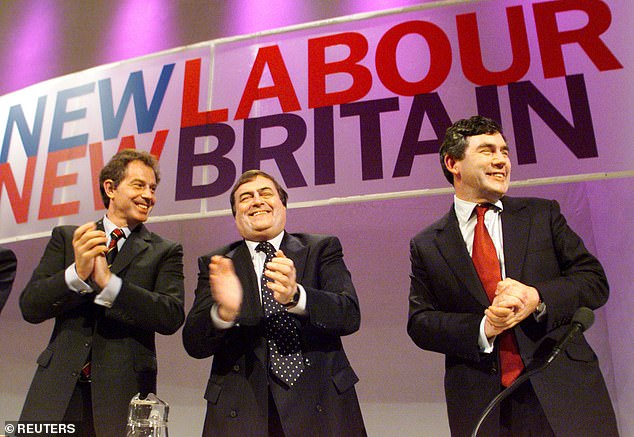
point(581, 280)
point(158, 307)
point(440, 318)
point(46, 295)
point(200, 337)
point(8, 264)
point(331, 299)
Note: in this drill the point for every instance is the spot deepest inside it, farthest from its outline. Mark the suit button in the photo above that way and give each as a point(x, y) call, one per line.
point(74, 374)
point(319, 408)
point(236, 368)
point(306, 361)
point(233, 414)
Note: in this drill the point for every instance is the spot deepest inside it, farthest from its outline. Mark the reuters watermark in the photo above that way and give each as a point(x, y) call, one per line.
point(39, 429)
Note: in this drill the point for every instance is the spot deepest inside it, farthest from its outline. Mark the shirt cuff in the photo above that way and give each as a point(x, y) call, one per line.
point(74, 282)
point(217, 321)
point(486, 345)
point(110, 292)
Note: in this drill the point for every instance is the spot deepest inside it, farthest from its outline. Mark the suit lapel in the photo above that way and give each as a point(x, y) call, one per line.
point(251, 312)
point(136, 243)
point(515, 228)
point(452, 247)
point(294, 249)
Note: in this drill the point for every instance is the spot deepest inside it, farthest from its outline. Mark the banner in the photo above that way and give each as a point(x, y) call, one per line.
point(348, 107)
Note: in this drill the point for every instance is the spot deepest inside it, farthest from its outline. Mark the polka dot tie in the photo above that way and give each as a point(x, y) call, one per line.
point(112, 246)
point(285, 356)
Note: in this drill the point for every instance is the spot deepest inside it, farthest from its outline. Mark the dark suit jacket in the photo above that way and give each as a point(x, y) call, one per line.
point(8, 264)
point(447, 303)
point(323, 402)
point(119, 340)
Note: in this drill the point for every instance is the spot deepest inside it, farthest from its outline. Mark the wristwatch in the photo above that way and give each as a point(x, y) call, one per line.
point(293, 302)
point(541, 306)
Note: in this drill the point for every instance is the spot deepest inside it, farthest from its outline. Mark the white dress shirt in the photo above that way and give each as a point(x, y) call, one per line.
point(465, 211)
point(258, 258)
point(109, 293)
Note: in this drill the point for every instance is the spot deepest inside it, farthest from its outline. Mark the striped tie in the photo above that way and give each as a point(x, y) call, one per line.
point(112, 246)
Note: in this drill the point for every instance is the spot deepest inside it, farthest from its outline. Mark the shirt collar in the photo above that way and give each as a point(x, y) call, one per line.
point(464, 209)
point(275, 241)
point(108, 227)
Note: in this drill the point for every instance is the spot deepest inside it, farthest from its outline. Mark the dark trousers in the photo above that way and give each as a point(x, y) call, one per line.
point(521, 415)
point(275, 423)
point(79, 411)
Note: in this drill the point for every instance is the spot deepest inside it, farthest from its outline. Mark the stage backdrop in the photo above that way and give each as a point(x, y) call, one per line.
point(337, 109)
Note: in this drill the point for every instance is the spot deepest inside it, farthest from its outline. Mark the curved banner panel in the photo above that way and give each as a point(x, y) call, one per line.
point(335, 109)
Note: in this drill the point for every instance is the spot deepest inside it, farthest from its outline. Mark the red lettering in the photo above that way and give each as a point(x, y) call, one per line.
point(95, 151)
point(19, 203)
point(471, 51)
point(282, 87)
point(128, 142)
point(191, 94)
point(319, 69)
point(588, 37)
point(439, 58)
point(52, 181)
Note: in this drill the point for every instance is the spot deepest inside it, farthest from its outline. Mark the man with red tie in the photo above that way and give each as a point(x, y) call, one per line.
point(110, 286)
point(493, 283)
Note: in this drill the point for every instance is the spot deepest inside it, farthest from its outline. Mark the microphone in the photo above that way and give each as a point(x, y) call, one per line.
point(581, 321)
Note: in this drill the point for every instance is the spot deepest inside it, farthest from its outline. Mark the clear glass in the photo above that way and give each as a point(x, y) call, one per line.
point(147, 417)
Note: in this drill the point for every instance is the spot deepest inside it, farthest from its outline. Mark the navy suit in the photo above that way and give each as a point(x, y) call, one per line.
point(323, 401)
point(447, 303)
point(120, 340)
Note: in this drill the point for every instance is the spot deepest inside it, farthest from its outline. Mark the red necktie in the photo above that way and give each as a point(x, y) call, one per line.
point(115, 235)
point(487, 265)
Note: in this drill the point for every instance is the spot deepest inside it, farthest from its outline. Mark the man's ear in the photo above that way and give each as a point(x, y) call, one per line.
point(450, 163)
point(109, 188)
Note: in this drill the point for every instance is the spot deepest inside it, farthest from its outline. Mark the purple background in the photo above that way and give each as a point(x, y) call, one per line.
point(401, 386)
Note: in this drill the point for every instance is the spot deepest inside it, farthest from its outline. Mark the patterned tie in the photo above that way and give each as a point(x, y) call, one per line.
point(112, 246)
point(285, 356)
point(115, 235)
point(487, 265)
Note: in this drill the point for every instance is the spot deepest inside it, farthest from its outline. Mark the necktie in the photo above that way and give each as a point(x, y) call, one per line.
point(487, 265)
point(285, 356)
point(112, 246)
point(115, 235)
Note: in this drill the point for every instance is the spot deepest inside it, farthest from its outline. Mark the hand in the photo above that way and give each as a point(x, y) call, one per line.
point(513, 303)
point(522, 298)
point(225, 287)
point(88, 244)
point(101, 273)
point(282, 273)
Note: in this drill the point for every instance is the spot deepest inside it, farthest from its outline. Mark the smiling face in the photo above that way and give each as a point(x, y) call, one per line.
point(132, 200)
point(260, 213)
point(484, 174)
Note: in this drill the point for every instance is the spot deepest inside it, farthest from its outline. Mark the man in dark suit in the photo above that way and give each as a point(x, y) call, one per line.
point(102, 350)
point(491, 327)
point(8, 264)
point(231, 319)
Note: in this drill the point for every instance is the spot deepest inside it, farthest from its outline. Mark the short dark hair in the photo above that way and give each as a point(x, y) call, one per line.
point(250, 175)
point(456, 138)
point(116, 168)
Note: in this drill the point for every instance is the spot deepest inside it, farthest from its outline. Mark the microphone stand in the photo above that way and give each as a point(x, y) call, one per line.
point(505, 393)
